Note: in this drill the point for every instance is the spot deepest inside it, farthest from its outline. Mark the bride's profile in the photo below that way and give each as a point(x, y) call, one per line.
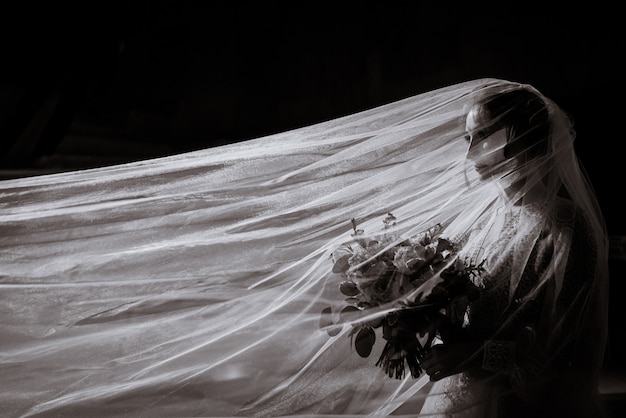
point(441, 255)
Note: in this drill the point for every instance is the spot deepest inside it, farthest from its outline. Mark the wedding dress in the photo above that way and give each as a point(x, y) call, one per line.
point(193, 285)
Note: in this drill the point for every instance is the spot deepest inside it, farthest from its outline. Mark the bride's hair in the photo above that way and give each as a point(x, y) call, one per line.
point(525, 117)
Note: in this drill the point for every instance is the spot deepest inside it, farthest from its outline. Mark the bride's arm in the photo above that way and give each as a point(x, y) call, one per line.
point(539, 333)
point(557, 355)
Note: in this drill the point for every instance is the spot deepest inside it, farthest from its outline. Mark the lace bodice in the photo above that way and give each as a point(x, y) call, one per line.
point(502, 313)
point(488, 314)
point(535, 256)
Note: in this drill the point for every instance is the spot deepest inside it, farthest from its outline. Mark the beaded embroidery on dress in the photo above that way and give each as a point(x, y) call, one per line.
point(465, 396)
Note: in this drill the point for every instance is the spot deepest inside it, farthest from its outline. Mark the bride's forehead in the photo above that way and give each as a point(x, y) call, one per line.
point(474, 118)
point(479, 118)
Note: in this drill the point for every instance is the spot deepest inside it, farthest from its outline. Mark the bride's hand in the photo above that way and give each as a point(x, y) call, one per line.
point(444, 360)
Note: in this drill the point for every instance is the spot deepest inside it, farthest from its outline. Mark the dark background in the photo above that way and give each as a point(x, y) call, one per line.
point(150, 78)
point(89, 84)
point(94, 83)
point(86, 84)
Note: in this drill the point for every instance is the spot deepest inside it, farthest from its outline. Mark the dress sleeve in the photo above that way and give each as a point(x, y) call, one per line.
point(553, 347)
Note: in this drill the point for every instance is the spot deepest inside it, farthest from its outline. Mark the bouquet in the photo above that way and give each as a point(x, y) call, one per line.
point(423, 287)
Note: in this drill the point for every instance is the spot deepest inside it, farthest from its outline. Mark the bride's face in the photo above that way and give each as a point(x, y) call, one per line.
point(486, 144)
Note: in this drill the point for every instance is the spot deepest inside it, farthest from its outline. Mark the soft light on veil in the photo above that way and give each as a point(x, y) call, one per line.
point(192, 285)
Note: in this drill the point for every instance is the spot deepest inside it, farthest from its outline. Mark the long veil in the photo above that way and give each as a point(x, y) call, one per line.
point(193, 285)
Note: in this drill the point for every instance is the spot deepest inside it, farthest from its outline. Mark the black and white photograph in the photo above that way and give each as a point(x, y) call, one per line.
point(311, 209)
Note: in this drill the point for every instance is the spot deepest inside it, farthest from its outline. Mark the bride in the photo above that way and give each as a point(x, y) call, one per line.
point(207, 283)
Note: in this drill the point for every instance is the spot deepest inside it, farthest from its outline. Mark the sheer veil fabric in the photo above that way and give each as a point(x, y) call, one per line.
point(192, 285)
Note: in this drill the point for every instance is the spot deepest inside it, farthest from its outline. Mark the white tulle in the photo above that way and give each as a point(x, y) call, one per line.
point(192, 285)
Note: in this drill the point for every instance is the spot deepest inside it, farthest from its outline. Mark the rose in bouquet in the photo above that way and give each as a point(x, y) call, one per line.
point(423, 289)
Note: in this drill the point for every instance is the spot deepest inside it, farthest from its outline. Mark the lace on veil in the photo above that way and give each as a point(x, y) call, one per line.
point(193, 284)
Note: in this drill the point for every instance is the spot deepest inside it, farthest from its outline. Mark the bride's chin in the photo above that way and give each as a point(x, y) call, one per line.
point(488, 175)
point(483, 173)
point(507, 177)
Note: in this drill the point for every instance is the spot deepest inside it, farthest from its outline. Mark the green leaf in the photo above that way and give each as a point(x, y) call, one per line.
point(443, 244)
point(364, 341)
point(347, 311)
point(342, 265)
point(349, 288)
point(326, 318)
point(326, 323)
